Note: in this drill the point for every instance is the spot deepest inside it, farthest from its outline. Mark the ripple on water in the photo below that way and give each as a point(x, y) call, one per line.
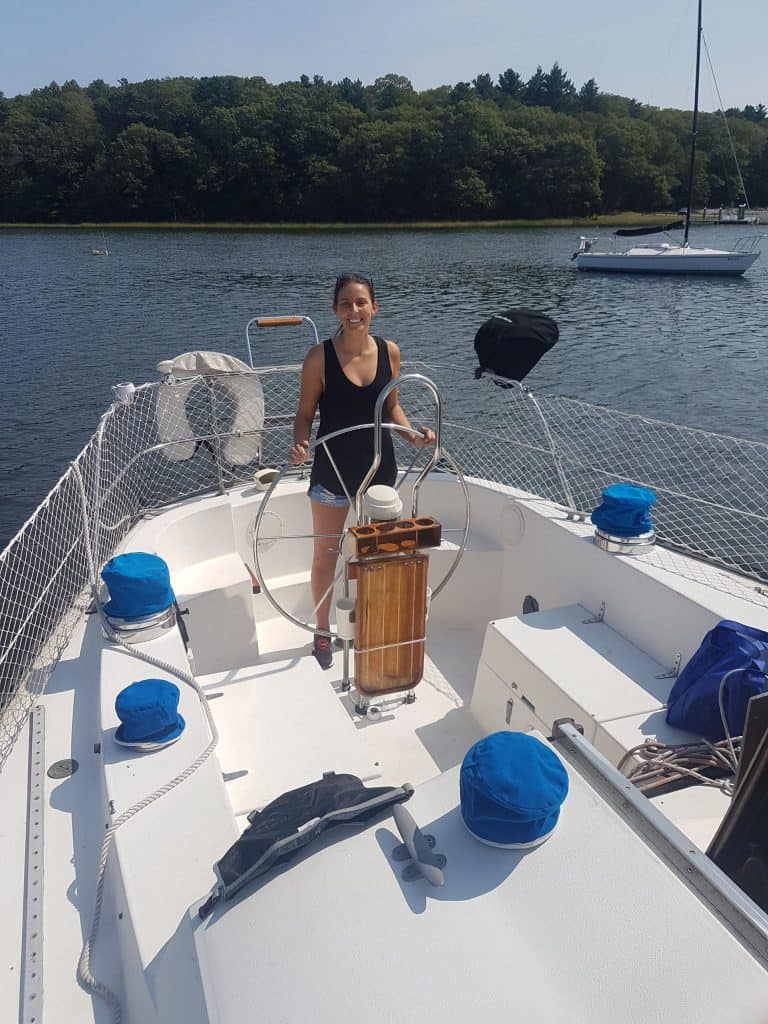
point(688, 350)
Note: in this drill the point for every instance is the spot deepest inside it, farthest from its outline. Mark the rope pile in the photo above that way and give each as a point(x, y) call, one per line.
point(664, 768)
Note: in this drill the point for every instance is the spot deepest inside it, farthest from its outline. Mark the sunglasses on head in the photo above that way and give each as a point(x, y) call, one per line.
point(355, 277)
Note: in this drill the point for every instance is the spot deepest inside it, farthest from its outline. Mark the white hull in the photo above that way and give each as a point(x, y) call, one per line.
point(668, 260)
point(338, 934)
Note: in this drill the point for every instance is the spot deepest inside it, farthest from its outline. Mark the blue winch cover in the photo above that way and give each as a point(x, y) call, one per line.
point(511, 788)
point(139, 584)
point(148, 712)
point(693, 702)
point(624, 510)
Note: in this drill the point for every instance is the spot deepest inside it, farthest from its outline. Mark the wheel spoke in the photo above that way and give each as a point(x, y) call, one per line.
point(260, 544)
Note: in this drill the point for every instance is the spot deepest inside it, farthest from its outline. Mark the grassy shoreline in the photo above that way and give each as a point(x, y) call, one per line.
point(601, 220)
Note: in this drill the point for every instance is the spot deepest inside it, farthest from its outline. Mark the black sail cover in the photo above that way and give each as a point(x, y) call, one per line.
point(657, 229)
point(294, 820)
point(510, 344)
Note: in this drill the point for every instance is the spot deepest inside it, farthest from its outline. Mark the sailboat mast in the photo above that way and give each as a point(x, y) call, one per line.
point(694, 128)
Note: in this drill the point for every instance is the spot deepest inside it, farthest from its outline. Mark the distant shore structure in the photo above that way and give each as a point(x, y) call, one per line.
point(734, 215)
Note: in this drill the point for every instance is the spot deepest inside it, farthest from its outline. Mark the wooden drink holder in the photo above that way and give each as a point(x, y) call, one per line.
point(391, 567)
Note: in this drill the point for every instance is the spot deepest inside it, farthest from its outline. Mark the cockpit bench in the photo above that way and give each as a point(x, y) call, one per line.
point(196, 816)
point(210, 581)
point(564, 663)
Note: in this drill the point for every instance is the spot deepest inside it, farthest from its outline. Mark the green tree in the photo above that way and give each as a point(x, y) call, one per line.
point(52, 141)
point(352, 92)
point(537, 89)
point(756, 114)
point(755, 176)
point(631, 178)
point(232, 148)
point(560, 91)
point(149, 169)
point(589, 96)
point(484, 87)
point(391, 91)
point(511, 85)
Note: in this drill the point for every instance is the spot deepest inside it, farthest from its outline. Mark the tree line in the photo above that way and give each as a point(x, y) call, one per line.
point(241, 149)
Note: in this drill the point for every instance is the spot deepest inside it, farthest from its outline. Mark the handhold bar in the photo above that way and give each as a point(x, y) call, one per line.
point(377, 418)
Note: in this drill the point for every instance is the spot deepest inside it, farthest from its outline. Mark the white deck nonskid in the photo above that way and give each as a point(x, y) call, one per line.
point(553, 934)
point(73, 828)
point(283, 722)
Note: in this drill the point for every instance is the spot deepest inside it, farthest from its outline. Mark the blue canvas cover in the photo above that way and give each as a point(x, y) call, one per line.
point(511, 788)
point(693, 702)
point(148, 712)
point(139, 584)
point(624, 510)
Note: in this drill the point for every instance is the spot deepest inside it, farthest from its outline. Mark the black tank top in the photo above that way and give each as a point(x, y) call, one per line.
point(344, 404)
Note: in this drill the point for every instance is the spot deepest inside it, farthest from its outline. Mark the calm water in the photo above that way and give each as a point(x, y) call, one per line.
point(72, 324)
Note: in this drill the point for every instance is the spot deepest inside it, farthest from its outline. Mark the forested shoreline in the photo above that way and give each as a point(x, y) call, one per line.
point(241, 149)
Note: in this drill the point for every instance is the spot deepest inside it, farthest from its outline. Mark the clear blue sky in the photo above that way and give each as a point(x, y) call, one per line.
point(639, 48)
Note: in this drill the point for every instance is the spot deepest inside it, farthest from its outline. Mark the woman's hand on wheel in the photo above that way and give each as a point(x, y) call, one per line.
point(424, 438)
point(299, 453)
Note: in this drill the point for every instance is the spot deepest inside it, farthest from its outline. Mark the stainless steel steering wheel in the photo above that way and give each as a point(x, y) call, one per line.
point(377, 426)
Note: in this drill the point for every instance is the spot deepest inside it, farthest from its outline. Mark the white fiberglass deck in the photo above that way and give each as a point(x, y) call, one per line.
point(554, 934)
point(282, 722)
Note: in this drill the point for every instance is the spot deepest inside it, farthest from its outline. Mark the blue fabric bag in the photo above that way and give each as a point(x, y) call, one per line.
point(693, 702)
point(624, 510)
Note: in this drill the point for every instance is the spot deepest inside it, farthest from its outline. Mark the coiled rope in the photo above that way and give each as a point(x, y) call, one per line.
point(662, 765)
point(709, 764)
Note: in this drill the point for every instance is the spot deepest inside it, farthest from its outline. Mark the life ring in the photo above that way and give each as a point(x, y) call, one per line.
point(173, 427)
point(244, 444)
point(243, 441)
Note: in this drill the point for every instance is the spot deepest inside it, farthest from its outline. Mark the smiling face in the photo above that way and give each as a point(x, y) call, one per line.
point(354, 307)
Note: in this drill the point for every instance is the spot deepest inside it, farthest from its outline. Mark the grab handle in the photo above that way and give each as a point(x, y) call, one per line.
point(419, 378)
point(276, 321)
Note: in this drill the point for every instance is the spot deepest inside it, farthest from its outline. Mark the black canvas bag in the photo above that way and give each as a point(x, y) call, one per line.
point(510, 344)
point(294, 820)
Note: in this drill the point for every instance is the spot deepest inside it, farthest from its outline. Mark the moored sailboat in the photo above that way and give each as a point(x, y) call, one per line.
point(102, 250)
point(671, 257)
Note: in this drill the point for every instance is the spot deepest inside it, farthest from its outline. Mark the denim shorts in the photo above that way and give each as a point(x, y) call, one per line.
point(322, 496)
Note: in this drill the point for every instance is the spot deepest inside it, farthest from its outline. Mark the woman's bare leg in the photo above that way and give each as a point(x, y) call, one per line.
point(326, 521)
